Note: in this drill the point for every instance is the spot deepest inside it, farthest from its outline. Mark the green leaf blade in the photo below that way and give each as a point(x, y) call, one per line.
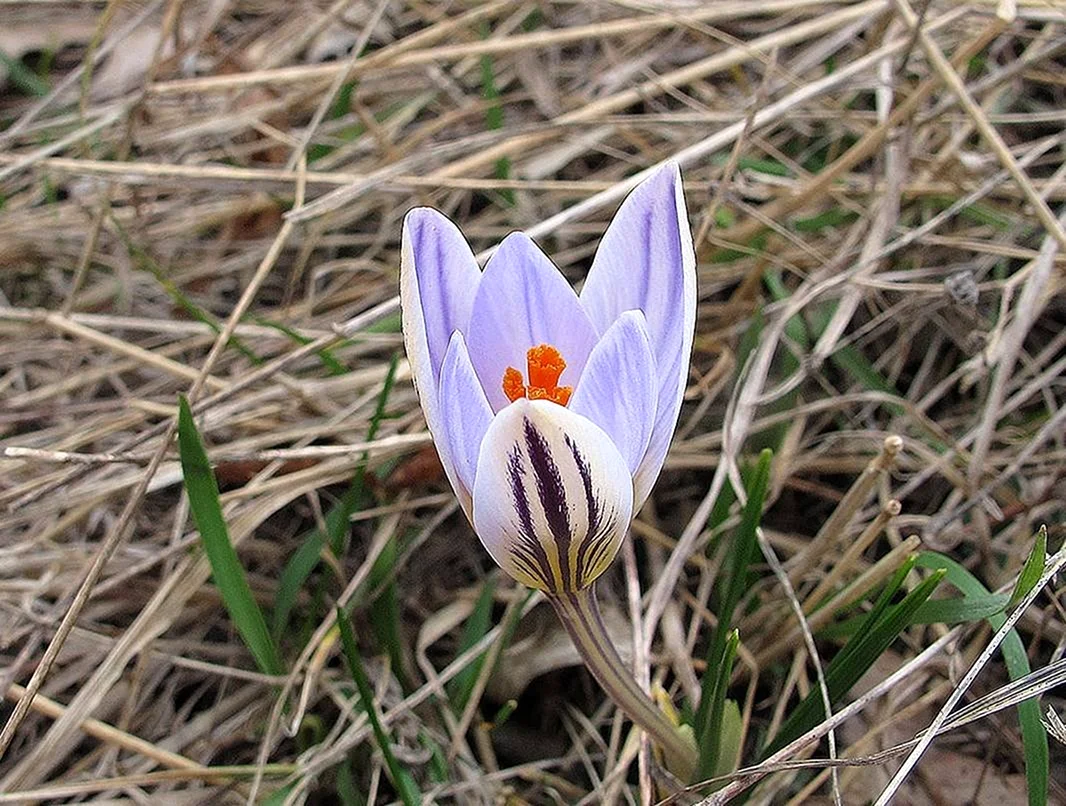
point(229, 576)
point(1034, 734)
point(735, 568)
point(405, 785)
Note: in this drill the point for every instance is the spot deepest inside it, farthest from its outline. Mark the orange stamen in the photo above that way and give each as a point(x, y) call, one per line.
point(544, 365)
point(512, 384)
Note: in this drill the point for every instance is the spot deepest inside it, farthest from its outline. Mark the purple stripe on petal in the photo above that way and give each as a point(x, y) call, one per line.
point(524, 301)
point(594, 551)
point(552, 496)
point(527, 551)
point(593, 506)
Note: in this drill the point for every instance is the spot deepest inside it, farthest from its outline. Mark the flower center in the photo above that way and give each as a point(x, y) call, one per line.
point(544, 365)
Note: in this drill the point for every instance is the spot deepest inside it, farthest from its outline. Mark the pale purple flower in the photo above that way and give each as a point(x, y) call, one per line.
point(551, 468)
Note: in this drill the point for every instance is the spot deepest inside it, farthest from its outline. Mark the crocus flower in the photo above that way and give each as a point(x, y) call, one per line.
point(552, 412)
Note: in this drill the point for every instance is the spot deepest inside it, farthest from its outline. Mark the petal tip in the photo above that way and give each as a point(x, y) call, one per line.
point(517, 241)
point(660, 176)
point(515, 247)
point(419, 219)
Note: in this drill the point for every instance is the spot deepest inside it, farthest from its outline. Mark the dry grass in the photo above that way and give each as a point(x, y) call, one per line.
point(212, 207)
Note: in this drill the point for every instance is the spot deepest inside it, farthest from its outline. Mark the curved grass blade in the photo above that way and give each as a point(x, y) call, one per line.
point(325, 355)
point(146, 262)
point(955, 610)
point(202, 489)
point(1034, 734)
point(1032, 570)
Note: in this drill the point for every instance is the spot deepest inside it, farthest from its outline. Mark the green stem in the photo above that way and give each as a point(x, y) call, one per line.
point(580, 615)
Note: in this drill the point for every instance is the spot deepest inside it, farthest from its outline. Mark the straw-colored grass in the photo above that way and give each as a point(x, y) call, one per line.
point(204, 198)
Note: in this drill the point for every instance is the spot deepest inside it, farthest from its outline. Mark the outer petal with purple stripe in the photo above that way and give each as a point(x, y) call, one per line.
point(552, 498)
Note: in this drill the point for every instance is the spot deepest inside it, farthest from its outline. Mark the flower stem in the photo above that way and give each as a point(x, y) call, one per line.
point(580, 614)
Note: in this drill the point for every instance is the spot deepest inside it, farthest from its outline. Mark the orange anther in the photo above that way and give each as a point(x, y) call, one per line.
point(512, 384)
point(544, 365)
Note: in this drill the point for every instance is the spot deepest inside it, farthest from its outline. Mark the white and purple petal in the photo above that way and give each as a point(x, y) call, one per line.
point(523, 301)
point(646, 261)
point(552, 496)
point(465, 417)
point(617, 390)
point(439, 279)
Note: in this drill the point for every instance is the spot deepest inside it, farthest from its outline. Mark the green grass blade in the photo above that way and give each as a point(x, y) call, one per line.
point(884, 599)
point(405, 785)
point(955, 610)
point(385, 611)
point(305, 559)
point(1032, 570)
point(833, 217)
point(732, 731)
point(147, 263)
point(959, 610)
point(22, 78)
point(755, 246)
point(760, 165)
point(787, 361)
point(710, 743)
point(337, 540)
point(279, 795)
point(1034, 734)
point(795, 327)
point(852, 362)
point(202, 489)
point(390, 324)
point(325, 355)
point(476, 627)
point(852, 662)
point(494, 115)
point(438, 761)
point(299, 567)
point(749, 340)
point(734, 583)
point(503, 713)
point(347, 791)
